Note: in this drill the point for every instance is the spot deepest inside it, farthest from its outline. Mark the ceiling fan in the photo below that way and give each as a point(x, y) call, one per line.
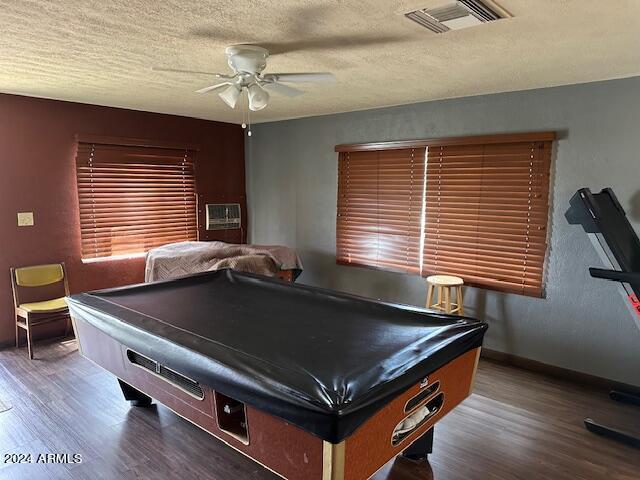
point(247, 63)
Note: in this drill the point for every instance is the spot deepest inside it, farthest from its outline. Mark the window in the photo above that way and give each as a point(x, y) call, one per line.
point(479, 210)
point(380, 207)
point(486, 214)
point(133, 198)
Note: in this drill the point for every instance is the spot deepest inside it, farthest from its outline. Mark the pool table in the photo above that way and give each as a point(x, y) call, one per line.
point(310, 383)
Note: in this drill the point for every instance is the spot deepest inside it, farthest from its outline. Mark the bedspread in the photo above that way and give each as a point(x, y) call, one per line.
point(184, 258)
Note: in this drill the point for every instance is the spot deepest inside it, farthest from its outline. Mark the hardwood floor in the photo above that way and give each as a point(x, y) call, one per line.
point(517, 425)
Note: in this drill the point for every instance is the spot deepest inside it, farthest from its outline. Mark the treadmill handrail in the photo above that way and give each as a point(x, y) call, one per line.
point(616, 275)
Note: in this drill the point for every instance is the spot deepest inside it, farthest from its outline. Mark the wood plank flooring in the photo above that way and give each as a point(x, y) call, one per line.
point(517, 425)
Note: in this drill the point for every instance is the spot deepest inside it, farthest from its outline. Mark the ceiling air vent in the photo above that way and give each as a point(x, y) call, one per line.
point(456, 15)
point(223, 216)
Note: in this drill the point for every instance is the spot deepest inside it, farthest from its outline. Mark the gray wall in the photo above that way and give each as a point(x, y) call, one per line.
point(582, 324)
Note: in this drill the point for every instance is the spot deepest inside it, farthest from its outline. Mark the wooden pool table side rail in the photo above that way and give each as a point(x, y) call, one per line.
point(279, 446)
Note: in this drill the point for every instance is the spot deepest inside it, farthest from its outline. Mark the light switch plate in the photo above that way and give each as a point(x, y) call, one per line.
point(25, 219)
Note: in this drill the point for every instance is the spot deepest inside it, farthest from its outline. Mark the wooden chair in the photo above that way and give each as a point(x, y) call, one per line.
point(444, 284)
point(33, 314)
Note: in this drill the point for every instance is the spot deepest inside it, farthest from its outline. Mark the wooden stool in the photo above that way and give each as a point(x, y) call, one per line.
point(444, 284)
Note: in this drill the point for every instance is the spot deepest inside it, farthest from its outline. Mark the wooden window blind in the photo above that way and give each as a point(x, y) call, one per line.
point(134, 198)
point(486, 214)
point(380, 203)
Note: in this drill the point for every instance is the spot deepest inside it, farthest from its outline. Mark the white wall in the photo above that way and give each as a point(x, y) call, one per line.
point(582, 323)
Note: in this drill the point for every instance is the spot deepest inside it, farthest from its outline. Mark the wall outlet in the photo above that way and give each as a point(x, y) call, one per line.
point(25, 219)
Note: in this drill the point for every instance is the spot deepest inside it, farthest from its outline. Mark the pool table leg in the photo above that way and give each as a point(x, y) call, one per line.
point(134, 396)
point(421, 448)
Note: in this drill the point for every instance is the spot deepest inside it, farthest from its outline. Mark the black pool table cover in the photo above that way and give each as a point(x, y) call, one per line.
point(322, 360)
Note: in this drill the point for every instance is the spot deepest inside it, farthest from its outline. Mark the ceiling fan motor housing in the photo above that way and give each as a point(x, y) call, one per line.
point(247, 58)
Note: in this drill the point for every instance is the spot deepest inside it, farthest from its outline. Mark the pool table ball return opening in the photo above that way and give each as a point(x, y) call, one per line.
point(350, 437)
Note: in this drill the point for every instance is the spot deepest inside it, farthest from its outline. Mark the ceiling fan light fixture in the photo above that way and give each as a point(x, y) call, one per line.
point(230, 95)
point(247, 63)
point(258, 97)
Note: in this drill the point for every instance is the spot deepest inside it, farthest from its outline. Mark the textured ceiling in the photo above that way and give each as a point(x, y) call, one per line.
point(101, 52)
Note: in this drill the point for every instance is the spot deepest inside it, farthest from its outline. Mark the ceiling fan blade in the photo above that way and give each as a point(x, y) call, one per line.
point(315, 77)
point(282, 89)
point(213, 87)
point(177, 70)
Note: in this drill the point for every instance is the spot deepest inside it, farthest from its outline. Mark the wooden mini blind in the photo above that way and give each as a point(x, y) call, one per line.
point(379, 208)
point(134, 198)
point(486, 214)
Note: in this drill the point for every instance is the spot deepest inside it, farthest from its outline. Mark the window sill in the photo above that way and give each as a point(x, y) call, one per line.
point(114, 258)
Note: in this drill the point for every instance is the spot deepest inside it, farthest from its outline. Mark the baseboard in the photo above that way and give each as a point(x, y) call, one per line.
point(557, 372)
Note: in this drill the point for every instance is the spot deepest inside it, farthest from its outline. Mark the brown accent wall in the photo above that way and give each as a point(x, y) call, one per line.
point(37, 173)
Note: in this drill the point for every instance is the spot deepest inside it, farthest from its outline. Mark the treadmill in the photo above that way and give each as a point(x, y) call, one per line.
point(605, 222)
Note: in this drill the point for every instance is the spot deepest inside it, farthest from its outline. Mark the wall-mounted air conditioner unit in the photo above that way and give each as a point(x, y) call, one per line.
point(223, 216)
